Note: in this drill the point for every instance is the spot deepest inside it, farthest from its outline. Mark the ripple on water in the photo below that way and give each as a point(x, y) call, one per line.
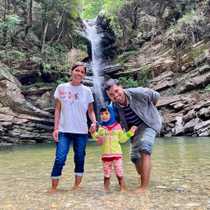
point(180, 180)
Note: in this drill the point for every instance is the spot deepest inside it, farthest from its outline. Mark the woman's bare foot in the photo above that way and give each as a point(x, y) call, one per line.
point(75, 188)
point(52, 190)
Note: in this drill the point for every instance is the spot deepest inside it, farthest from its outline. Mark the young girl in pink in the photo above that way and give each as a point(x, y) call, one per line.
point(109, 136)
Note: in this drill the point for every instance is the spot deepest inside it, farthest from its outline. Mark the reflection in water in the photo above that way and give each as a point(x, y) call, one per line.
point(180, 179)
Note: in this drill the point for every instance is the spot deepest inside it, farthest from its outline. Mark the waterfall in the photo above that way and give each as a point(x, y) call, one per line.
point(97, 60)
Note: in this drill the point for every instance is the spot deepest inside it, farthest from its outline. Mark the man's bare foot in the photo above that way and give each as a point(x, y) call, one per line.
point(106, 190)
point(140, 190)
point(52, 190)
point(122, 190)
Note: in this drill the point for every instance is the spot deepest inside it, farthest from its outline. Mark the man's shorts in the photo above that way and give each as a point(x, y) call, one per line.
point(142, 142)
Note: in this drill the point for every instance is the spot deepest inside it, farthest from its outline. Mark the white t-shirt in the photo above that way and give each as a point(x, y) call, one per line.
point(74, 105)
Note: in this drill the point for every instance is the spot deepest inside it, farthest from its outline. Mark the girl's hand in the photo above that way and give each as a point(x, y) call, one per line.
point(101, 131)
point(100, 140)
point(133, 129)
point(55, 135)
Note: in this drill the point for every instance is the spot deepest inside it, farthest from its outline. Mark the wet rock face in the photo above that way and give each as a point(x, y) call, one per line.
point(191, 119)
point(108, 38)
point(22, 121)
point(187, 112)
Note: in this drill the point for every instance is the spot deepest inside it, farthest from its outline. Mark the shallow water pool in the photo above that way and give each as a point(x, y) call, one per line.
point(180, 179)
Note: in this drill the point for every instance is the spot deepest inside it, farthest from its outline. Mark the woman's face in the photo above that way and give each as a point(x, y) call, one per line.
point(78, 74)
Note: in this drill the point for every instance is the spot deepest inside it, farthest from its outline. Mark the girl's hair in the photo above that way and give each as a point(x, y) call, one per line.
point(79, 64)
point(103, 109)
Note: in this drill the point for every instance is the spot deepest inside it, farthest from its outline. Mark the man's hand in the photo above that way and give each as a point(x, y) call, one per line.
point(55, 135)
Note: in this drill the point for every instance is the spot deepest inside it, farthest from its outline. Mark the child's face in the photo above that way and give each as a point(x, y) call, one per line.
point(105, 116)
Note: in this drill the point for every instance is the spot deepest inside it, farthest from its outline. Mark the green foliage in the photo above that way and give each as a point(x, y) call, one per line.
point(75, 9)
point(144, 75)
point(47, 67)
point(10, 23)
point(125, 56)
point(198, 51)
point(12, 55)
point(57, 21)
point(112, 7)
point(128, 82)
point(188, 28)
point(62, 80)
point(91, 8)
point(190, 19)
point(141, 78)
point(51, 9)
point(55, 57)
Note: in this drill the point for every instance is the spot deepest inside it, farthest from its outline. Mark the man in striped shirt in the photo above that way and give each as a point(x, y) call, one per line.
point(136, 106)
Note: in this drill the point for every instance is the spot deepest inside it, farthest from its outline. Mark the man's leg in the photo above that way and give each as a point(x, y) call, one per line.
point(62, 149)
point(138, 165)
point(141, 155)
point(143, 167)
point(79, 146)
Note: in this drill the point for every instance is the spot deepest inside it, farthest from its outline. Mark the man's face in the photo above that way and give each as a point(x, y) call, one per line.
point(116, 94)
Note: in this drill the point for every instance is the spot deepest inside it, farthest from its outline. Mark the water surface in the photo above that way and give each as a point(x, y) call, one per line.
point(180, 179)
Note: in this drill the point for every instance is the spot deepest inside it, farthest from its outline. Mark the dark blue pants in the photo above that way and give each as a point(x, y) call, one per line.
point(65, 140)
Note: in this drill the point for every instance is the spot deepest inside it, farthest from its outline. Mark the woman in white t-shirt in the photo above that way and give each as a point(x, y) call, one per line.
point(72, 101)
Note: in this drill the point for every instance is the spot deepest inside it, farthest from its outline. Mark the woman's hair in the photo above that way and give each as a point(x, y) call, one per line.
point(79, 64)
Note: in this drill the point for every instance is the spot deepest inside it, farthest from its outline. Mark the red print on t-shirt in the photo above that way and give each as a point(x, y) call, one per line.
point(68, 95)
point(61, 93)
point(73, 96)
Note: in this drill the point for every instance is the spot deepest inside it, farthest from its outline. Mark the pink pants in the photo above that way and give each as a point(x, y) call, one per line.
point(118, 167)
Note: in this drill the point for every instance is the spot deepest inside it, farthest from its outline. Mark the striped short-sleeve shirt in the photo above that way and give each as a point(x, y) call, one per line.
point(131, 117)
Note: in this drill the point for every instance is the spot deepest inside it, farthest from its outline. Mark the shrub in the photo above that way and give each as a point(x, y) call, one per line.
point(128, 82)
point(189, 28)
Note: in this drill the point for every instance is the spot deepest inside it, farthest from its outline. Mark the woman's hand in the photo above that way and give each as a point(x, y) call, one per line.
point(55, 135)
point(92, 127)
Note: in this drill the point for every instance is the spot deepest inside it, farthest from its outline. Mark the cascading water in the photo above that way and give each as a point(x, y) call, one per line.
point(97, 61)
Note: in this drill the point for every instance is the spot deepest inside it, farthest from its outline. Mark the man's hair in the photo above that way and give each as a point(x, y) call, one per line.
point(109, 83)
point(79, 64)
